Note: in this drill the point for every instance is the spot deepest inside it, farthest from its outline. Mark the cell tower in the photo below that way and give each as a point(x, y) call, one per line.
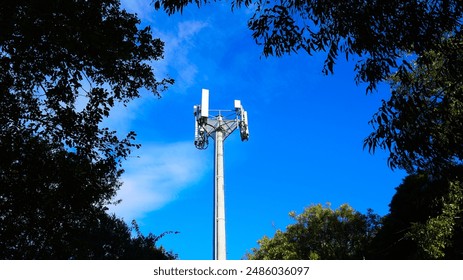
point(218, 127)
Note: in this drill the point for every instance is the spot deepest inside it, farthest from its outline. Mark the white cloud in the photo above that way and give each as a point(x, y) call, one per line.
point(188, 29)
point(157, 177)
point(179, 43)
point(161, 171)
point(179, 32)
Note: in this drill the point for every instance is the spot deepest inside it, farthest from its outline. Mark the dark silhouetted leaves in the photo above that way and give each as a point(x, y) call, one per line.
point(421, 124)
point(63, 66)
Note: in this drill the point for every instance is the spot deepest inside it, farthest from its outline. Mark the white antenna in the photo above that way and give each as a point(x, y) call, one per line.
point(205, 103)
point(243, 124)
point(218, 128)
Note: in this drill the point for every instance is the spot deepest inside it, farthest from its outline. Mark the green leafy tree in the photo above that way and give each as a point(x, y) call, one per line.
point(63, 66)
point(423, 222)
point(421, 125)
point(320, 233)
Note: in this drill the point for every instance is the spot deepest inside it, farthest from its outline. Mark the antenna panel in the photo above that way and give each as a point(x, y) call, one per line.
point(196, 130)
point(205, 103)
point(238, 105)
point(196, 111)
point(244, 129)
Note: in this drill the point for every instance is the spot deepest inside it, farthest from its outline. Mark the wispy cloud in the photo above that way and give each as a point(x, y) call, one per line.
point(158, 172)
point(179, 41)
point(157, 176)
point(178, 38)
point(188, 29)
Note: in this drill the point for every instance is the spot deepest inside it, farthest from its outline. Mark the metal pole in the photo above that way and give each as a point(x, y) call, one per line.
point(219, 196)
point(219, 129)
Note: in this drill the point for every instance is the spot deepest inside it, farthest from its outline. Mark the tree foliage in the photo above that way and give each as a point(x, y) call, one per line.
point(320, 233)
point(63, 66)
point(51, 64)
point(424, 221)
point(421, 124)
point(52, 206)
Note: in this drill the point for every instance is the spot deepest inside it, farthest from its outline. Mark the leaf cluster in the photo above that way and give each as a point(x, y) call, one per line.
point(63, 66)
point(424, 221)
point(421, 124)
point(53, 205)
point(321, 233)
point(60, 77)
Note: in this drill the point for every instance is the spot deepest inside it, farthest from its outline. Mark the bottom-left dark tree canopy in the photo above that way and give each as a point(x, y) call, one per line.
point(53, 205)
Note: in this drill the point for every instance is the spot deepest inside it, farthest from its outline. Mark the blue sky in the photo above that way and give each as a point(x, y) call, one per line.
point(305, 146)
